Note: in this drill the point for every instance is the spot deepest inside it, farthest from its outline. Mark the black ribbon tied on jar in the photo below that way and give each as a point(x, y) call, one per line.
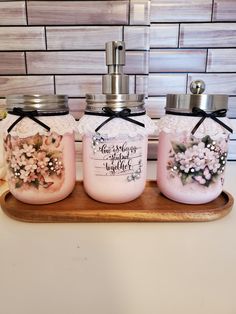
point(31, 114)
point(23, 114)
point(213, 115)
point(124, 114)
point(197, 112)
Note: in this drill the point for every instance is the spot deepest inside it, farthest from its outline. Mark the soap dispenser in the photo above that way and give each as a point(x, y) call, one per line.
point(115, 131)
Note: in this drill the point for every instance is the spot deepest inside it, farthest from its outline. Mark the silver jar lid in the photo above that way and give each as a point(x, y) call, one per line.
point(95, 102)
point(41, 103)
point(186, 102)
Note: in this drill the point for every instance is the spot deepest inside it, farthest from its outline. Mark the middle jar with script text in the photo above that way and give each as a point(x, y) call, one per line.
point(115, 149)
point(115, 132)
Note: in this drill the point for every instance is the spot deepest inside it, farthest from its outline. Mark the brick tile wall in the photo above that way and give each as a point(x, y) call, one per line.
point(58, 47)
point(12, 13)
point(77, 12)
point(198, 39)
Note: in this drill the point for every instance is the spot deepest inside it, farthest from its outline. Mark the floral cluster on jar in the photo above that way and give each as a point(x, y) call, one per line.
point(34, 161)
point(198, 160)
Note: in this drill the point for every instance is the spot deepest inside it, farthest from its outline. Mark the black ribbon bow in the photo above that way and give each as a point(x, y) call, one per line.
point(123, 114)
point(213, 115)
point(29, 114)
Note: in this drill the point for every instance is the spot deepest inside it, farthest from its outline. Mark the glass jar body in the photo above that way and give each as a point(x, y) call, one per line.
point(190, 169)
point(2, 159)
point(114, 167)
point(41, 167)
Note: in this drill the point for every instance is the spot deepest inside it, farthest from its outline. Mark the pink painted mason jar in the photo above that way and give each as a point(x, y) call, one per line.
point(115, 132)
point(2, 157)
point(115, 137)
point(193, 146)
point(39, 148)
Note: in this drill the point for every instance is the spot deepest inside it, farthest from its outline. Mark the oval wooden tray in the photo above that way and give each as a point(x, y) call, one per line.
point(151, 206)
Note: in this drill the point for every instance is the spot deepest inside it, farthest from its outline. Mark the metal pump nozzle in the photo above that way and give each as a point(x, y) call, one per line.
point(115, 82)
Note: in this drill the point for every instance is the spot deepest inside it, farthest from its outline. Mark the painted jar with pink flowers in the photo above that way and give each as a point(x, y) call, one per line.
point(39, 148)
point(193, 146)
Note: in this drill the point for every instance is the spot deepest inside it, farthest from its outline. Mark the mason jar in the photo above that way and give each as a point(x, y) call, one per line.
point(2, 157)
point(115, 132)
point(193, 146)
point(39, 148)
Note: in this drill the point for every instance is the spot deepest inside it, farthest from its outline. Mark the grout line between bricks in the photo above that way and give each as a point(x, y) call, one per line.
point(179, 36)
point(45, 35)
point(26, 13)
point(26, 67)
point(212, 10)
point(207, 51)
point(54, 84)
point(187, 78)
point(129, 12)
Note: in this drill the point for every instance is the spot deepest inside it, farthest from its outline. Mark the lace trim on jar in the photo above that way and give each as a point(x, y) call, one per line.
point(179, 124)
point(27, 127)
point(87, 125)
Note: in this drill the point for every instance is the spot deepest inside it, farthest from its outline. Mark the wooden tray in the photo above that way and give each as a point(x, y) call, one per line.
point(151, 206)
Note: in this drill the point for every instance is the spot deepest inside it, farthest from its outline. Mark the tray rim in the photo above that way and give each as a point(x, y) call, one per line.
point(174, 215)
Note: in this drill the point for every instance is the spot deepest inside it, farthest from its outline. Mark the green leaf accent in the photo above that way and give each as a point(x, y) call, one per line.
point(184, 178)
point(178, 147)
point(35, 183)
point(198, 173)
point(207, 140)
point(38, 144)
point(208, 182)
point(18, 184)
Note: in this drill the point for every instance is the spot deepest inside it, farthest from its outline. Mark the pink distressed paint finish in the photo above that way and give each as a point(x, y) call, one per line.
point(41, 168)
point(114, 168)
point(191, 170)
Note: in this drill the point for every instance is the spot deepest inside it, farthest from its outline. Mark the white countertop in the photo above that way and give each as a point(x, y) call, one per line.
point(120, 268)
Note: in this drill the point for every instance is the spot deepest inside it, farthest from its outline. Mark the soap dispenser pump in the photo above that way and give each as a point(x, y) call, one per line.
point(115, 131)
point(115, 82)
